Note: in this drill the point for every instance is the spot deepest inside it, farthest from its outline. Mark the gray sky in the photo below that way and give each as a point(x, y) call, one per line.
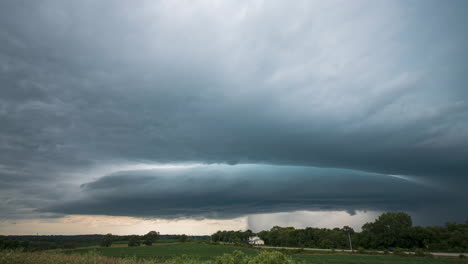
point(196, 111)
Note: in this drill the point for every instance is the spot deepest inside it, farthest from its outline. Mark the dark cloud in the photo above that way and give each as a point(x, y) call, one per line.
point(366, 86)
point(223, 191)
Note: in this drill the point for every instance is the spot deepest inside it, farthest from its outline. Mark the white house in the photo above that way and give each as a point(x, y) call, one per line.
point(255, 240)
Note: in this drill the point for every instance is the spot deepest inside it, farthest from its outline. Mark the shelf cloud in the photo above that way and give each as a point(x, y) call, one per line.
point(304, 105)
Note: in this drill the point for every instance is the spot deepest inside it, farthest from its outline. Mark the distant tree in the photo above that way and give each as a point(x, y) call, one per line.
point(134, 241)
point(348, 230)
point(150, 238)
point(106, 241)
point(183, 238)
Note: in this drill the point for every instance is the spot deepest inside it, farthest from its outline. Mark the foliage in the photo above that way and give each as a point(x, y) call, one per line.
point(184, 259)
point(389, 231)
point(48, 242)
point(150, 238)
point(419, 252)
point(182, 238)
point(271, 258)
point(36, 243)
point(208, 254)
point(232, 236)
point(237, 257)
point(361, 250)
point(399, 252)
point(106, 241)
point(170, 251)
point(308, 237)
point(134, 241)
point(12, 257)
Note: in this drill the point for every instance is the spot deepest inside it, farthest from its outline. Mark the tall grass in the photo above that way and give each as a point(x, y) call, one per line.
point(18, 257)
point(238, 257)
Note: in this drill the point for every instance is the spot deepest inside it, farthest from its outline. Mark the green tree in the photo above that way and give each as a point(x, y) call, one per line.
point(389, 230)
point(150, 238)
point(106, 241)
point(183, 238)
point(134, 241)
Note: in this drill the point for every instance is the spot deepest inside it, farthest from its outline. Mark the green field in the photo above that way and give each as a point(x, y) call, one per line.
point(356, 259)
point(159, 241)
point(163, 252)
point(210, 252)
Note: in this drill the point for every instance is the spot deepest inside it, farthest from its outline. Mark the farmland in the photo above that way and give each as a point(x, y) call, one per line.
point(206, 252)
point(168, 251)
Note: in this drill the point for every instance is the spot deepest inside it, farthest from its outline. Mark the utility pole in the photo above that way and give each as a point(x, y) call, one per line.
point(350, 245)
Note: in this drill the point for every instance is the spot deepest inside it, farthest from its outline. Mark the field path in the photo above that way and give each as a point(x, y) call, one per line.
point(347, 250)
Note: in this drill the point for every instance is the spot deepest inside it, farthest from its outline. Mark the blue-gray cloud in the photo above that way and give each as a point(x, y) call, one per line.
point(223, 191)
point(363, 85)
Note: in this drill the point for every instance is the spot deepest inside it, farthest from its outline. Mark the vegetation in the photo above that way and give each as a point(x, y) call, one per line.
point(150, 238)
point(134, 241)
point(188, 253)
point(36, 243)
point(168, 251)
point(45, 258)
point(232, 236)
point(106, 241)
point(183, 238)
point(388, 232)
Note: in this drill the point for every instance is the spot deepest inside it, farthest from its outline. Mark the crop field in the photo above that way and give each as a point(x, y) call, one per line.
point(371, 259)
point(210, 252)
point(164, 252)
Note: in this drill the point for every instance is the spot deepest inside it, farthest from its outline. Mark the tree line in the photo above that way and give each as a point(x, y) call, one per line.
point(232, 236)
point(38, 243)
point(389, 231)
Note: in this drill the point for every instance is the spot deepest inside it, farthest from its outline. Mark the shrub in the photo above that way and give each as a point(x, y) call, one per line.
point(361, 250)
point(462, 256)
point(183, 238)
point(399, 252)
point(419, 252)
point(184, 259)
point(271, 258)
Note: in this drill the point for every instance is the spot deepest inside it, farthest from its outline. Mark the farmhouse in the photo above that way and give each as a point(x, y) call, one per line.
point(255, 240)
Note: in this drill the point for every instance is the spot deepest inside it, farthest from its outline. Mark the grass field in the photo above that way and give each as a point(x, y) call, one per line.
point(210, 252)
point(163, 252)
point(357, 259)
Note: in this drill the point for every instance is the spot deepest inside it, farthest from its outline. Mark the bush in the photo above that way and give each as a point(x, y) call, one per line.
point(237, 257)
point(361, 250)
point(462, 256)
point(271, 258)
point(182, 238)
point(399, 252)
point(419, 252)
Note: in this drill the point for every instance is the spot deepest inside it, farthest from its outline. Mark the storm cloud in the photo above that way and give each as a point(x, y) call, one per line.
point(224, 191)
point(373, 88)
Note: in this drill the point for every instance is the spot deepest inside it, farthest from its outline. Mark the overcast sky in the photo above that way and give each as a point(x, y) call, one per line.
point(194, 116)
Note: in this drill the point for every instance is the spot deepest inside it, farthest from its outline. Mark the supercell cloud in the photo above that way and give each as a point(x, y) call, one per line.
point(282, 106)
